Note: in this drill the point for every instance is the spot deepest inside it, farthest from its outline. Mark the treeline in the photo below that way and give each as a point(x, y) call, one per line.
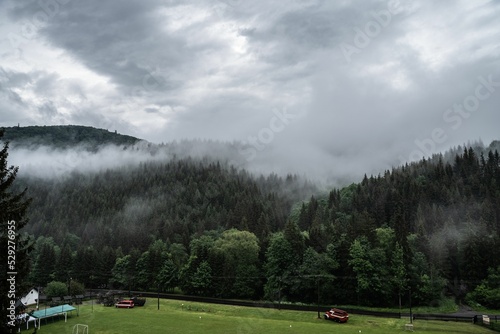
point(430, 228)
point(65, 136)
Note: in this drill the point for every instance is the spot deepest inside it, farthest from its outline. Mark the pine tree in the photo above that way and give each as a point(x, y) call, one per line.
point(296, 239)
point(13, 208)
point(45, 265)
point(64, 264)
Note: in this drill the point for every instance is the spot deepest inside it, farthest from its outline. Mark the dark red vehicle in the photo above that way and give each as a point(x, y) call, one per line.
point(126, 303)
point(337, 315)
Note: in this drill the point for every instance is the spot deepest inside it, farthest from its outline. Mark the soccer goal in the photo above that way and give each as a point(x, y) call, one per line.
point(80, 329)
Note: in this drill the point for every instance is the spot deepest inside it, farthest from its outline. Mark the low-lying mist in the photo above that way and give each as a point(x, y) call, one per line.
point(50, 162)
point(325, 167)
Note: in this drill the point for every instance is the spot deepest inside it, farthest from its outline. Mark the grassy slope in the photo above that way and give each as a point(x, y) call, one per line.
point(184, 317)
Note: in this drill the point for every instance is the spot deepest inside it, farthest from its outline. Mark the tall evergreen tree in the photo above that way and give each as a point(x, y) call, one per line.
point(14, 256)
point(278, 271)
point(168, 277)
point(45, 265)
point(294, 236)
point(359, 260)
point(64, 264)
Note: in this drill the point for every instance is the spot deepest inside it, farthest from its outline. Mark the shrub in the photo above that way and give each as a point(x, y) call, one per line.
point(56, 289)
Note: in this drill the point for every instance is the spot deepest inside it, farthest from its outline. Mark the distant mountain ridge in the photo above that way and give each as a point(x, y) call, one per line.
point(65, 136)
point(90, 139)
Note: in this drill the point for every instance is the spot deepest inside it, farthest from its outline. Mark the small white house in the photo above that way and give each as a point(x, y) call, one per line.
point(30, 298)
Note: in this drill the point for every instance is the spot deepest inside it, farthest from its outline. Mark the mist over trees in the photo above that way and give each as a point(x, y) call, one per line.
point(171, 201)
point(207, 228)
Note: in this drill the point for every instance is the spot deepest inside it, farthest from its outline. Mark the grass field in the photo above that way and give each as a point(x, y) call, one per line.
point(186, 317)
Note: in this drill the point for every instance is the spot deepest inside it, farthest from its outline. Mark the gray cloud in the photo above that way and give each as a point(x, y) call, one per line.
point(368, 84)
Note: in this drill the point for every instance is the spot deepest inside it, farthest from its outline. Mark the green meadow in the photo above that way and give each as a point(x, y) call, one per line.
point(186, 317)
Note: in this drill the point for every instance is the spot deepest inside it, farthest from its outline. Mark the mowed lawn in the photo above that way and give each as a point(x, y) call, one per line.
point(186, 317)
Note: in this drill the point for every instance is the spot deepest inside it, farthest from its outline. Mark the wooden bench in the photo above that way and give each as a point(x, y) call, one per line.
point(409, 327)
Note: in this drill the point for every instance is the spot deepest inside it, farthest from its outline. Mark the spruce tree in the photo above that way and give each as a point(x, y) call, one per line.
point(15, 247)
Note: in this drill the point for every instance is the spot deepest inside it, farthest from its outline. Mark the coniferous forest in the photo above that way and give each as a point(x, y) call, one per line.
point(205, 227)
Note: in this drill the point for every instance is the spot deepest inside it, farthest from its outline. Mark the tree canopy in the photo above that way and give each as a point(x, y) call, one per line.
point(431, 227)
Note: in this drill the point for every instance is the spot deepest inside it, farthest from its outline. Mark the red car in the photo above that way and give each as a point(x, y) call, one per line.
point(125, 303)
point(337, 315)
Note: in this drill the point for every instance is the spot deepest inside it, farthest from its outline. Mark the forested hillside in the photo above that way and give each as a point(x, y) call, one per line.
point(208, 228)
point(93, 220)
point(431, 226)
point(171, 201)
point(64, 136)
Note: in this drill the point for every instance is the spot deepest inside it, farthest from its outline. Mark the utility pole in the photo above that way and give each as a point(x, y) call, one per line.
point(69, 288)
point(411, 315)
point(279, 294)
point(317, 284)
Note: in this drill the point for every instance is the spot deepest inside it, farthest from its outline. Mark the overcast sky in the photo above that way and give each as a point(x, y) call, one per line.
point(311, 86)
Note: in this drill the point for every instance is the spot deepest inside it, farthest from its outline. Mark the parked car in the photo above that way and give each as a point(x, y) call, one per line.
point(138, 301)
point(127, 303)
point(337, 315)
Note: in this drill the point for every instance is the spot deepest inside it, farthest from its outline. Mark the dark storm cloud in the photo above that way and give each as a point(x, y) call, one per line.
point(123, 41)
point(113, 38)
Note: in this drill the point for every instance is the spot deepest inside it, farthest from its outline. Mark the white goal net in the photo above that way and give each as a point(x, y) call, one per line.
point(80, 329)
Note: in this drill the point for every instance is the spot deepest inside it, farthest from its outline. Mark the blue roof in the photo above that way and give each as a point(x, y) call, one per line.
point(49, 312)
